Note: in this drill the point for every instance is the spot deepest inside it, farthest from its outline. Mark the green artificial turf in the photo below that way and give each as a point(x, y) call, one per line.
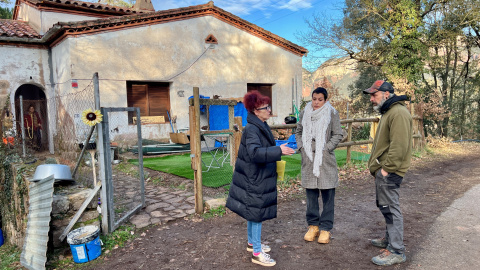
point(216, 177)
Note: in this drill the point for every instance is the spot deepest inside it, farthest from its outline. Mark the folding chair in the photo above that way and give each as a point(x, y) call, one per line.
point(213, 152)
point(223, 143)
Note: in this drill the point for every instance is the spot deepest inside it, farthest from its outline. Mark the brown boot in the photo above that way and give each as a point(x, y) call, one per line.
point(324, 237)
point(312, 233)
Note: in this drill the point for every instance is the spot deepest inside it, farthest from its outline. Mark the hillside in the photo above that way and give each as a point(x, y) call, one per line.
point(340, 73)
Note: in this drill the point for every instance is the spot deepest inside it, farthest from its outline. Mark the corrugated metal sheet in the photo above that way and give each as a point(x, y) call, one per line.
point(34, 254)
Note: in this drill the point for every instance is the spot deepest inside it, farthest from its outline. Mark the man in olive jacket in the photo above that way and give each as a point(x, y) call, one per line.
point(389, 161)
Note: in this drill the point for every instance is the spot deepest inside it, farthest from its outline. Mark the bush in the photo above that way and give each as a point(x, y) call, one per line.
point(361, 133)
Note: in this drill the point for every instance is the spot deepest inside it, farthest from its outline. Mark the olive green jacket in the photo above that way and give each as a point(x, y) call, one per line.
point(392, 146)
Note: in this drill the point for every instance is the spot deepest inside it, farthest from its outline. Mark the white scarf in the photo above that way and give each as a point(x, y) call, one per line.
point(315, 124)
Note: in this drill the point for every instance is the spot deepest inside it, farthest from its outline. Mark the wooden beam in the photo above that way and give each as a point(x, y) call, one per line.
point(349, 138)
point(345, 121)
point(80, 211)
point(284, 126)
point(208, 102)
point(345, 144)
point(216, 131)
point(198, 188)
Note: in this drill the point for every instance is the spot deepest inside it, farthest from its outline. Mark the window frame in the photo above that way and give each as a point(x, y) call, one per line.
point(156, 97)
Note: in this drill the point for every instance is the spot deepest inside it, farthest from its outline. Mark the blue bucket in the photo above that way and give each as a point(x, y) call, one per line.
point(1, 237)
point(85, 243)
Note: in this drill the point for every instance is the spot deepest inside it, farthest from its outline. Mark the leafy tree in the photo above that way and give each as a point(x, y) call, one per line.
point(423, 46)
point(6, 13)
point(360, 105)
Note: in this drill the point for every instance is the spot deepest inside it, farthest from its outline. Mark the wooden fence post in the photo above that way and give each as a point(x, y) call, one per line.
point(237, 137)
point(198, 188)
point(349, 138)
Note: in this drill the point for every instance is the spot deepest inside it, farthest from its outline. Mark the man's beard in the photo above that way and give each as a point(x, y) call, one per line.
point(379, 106)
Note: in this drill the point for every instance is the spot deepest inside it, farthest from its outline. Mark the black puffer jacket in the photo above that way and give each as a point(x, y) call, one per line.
point(253, 192)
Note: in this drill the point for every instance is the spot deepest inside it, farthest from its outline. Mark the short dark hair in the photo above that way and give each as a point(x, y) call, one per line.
point(320, 90)
point(253, 99)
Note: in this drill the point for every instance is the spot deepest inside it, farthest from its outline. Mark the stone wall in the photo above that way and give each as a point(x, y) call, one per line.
point(66, 202)
point(14, 203)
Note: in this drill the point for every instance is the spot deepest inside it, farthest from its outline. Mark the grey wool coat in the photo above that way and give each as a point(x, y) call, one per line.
point(328, 177)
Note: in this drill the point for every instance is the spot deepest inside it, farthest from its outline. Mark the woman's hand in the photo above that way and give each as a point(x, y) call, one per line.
point(286, 150)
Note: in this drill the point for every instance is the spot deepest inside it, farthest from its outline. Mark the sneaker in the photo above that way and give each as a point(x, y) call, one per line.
point(263, 259)
point(380, 242)
point(324, 237)
point(265, 248)
point(388, 258)
point(312, 233)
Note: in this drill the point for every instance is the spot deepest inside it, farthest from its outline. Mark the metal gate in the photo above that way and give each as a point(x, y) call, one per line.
point(124, 187)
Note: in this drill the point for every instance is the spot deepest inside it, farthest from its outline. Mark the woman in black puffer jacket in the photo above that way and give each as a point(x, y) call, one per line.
point(253, 192)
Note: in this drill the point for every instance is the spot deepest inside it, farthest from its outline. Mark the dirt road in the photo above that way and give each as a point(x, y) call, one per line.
point(219, 243)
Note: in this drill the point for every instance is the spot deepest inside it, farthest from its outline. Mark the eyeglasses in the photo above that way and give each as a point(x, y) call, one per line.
point(265, 108)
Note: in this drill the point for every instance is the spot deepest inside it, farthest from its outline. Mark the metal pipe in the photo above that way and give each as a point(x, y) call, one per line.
point(85, 144)
point(22, 123)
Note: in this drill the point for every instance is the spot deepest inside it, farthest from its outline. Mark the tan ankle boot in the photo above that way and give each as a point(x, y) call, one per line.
point(312, 233)
point(324, 237)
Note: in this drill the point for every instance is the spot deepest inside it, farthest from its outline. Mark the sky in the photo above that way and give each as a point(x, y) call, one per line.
point(285, 18)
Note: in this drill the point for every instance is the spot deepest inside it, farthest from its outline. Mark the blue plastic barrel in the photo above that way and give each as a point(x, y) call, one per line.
point(1, 237)
point(85, 243)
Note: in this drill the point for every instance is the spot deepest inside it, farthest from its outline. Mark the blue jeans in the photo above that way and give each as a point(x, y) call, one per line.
point(254, 230)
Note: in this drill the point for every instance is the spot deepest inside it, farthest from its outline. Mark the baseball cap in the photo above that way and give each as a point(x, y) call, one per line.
point(379, 86)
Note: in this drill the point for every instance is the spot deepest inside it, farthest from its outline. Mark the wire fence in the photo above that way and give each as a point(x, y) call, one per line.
point(217, 169)
point(127, 181)
point(27, 131)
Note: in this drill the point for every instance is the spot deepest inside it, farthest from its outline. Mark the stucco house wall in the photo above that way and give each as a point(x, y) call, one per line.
point(167, 46)
point(31, 15)
point(159, 52)
point(43, 20)
point(51, 18)
point(21, 65)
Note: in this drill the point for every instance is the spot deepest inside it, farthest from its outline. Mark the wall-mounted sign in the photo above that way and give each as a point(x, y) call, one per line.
point(74, 84)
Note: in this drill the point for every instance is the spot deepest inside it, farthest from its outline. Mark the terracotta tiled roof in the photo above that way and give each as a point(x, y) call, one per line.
point(75, 7)
point(11, 28)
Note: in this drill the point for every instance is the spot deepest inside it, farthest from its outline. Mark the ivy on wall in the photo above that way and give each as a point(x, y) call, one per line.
point(13, 194)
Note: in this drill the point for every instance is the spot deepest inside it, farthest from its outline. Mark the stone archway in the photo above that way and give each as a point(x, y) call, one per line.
point(33, 95)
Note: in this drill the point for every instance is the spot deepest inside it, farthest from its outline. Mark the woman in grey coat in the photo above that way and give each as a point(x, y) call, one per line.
point(318, 134)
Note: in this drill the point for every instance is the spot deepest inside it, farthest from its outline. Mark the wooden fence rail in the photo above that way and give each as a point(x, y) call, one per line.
point(418, 137)
point(235, 128)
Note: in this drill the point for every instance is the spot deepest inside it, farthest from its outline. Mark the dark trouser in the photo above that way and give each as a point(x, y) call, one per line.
point(325, 220)
point(35, 138)
point(38, 138)
point(388, 203)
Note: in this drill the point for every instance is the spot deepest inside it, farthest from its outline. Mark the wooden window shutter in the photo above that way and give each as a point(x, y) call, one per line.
point(159, 99)
point(137, 97)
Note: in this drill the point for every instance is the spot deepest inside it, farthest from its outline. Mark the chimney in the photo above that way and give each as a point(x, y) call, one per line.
point(144, 6)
